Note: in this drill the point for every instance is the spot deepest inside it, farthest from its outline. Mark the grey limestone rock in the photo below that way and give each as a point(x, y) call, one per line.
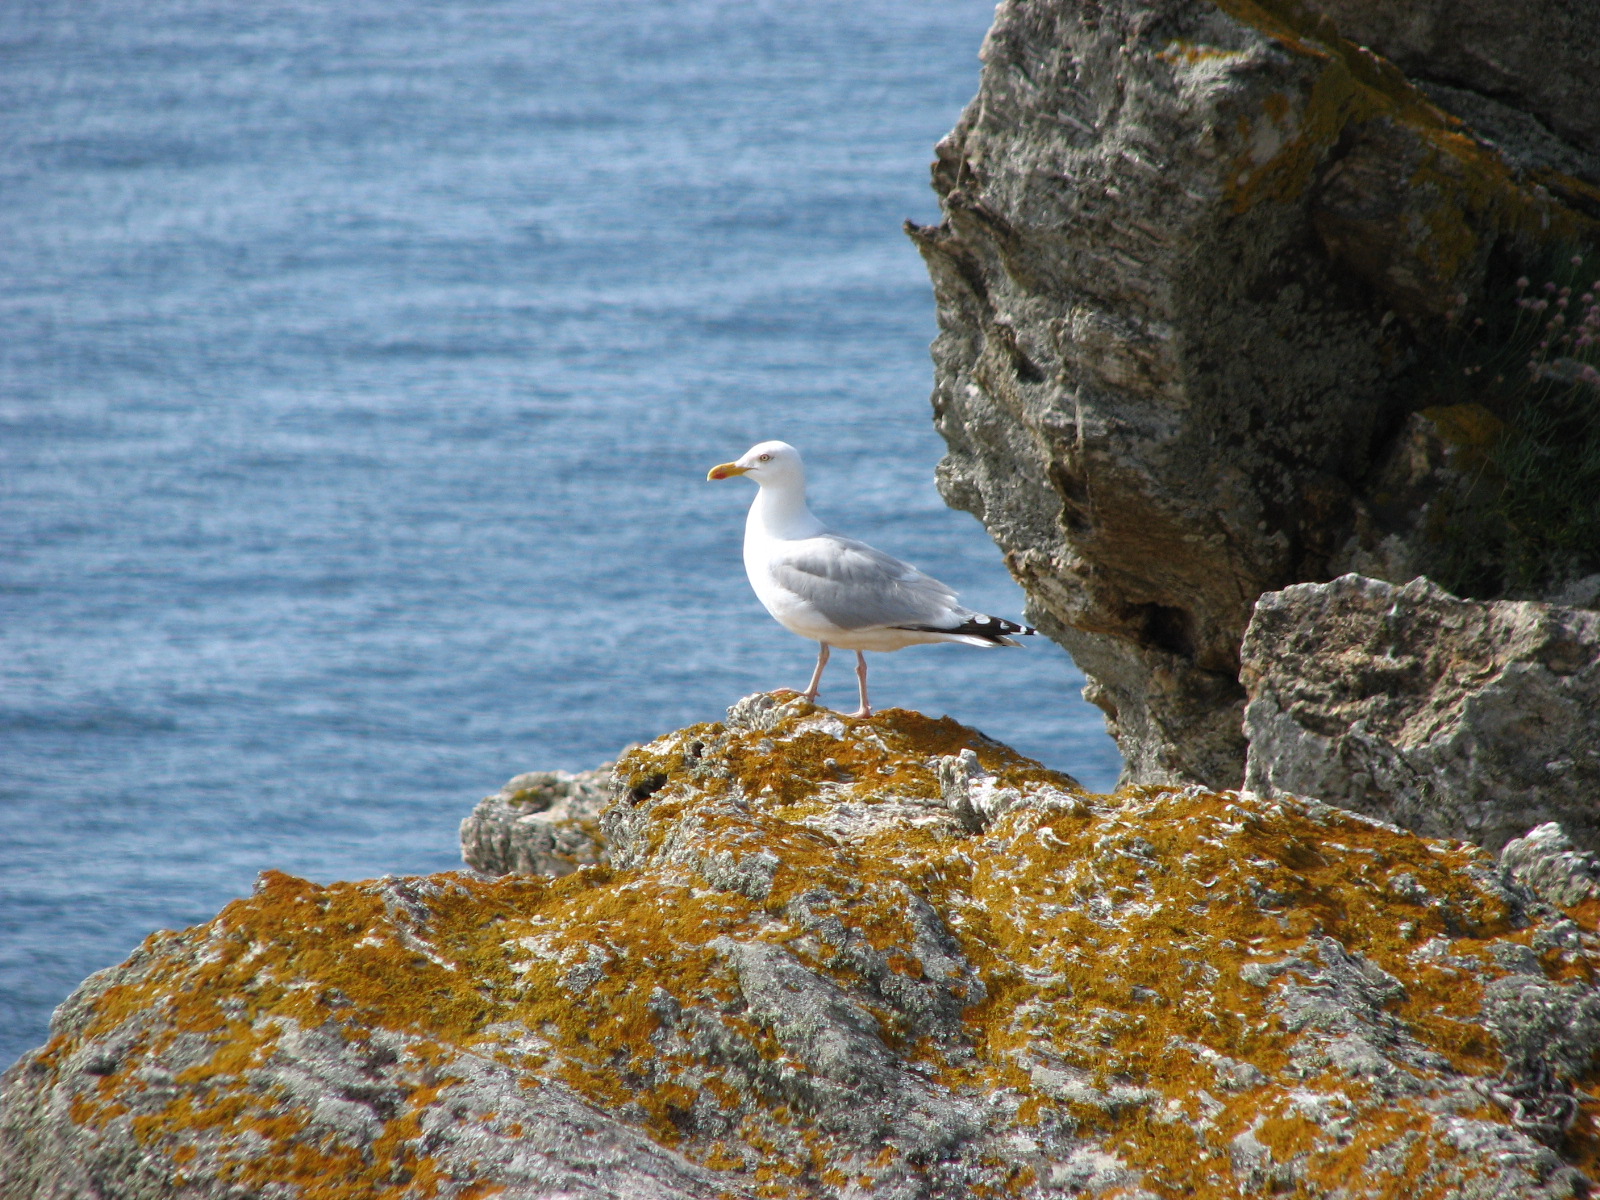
point(867, 1092)
point(1449, 717)
point(539, 823)
point(1186, 247)
point(1545, 862)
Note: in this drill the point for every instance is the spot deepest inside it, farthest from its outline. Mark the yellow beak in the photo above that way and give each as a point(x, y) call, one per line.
point(726, 471)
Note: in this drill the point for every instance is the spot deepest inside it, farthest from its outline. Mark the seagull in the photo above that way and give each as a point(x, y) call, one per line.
point(836, 590)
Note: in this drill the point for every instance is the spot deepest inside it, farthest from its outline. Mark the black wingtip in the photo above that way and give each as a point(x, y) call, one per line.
point(993, 629)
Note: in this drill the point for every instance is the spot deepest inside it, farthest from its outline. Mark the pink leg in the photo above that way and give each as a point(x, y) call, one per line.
point(816, 676)
point(861, 678)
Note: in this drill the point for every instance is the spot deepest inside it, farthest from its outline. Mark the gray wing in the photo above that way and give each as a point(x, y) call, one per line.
point(856, 587)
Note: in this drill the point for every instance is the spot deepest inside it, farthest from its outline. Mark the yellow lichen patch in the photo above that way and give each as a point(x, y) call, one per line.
point(1179, 51)
point(1349, 1165)
point(651, 935)
point(886, 756)
point(1349, 85)
point(298, 955)
point(1471, 426)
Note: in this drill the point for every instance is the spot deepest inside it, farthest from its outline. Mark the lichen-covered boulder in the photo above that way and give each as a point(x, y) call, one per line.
point(833, 957)
point(1188, 250)
point(1443, 715)
point(539, 823)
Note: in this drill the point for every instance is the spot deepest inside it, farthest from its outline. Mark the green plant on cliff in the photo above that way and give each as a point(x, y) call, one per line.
point(1529, 367)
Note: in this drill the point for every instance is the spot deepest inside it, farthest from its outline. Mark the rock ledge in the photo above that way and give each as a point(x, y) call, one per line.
point(835, 958)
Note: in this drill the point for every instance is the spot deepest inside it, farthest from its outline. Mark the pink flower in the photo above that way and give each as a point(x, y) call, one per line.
point(1523, 282)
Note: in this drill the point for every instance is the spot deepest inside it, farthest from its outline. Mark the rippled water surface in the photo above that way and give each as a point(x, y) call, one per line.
point(360, 365)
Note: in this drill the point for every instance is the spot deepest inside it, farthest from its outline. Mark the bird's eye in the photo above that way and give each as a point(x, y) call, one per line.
point(765, 458)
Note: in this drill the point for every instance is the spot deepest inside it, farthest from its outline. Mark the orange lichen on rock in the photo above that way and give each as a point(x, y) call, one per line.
point(833, 955)
point(1405, 192)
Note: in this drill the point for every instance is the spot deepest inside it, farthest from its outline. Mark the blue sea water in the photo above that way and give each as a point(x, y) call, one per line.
point(360, 365)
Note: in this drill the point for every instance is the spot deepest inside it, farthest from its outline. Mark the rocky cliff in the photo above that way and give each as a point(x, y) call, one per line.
point(1202, 271)
point(829, 957)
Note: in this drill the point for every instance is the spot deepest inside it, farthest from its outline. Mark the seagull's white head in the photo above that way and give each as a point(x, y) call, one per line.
point(767, 463)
